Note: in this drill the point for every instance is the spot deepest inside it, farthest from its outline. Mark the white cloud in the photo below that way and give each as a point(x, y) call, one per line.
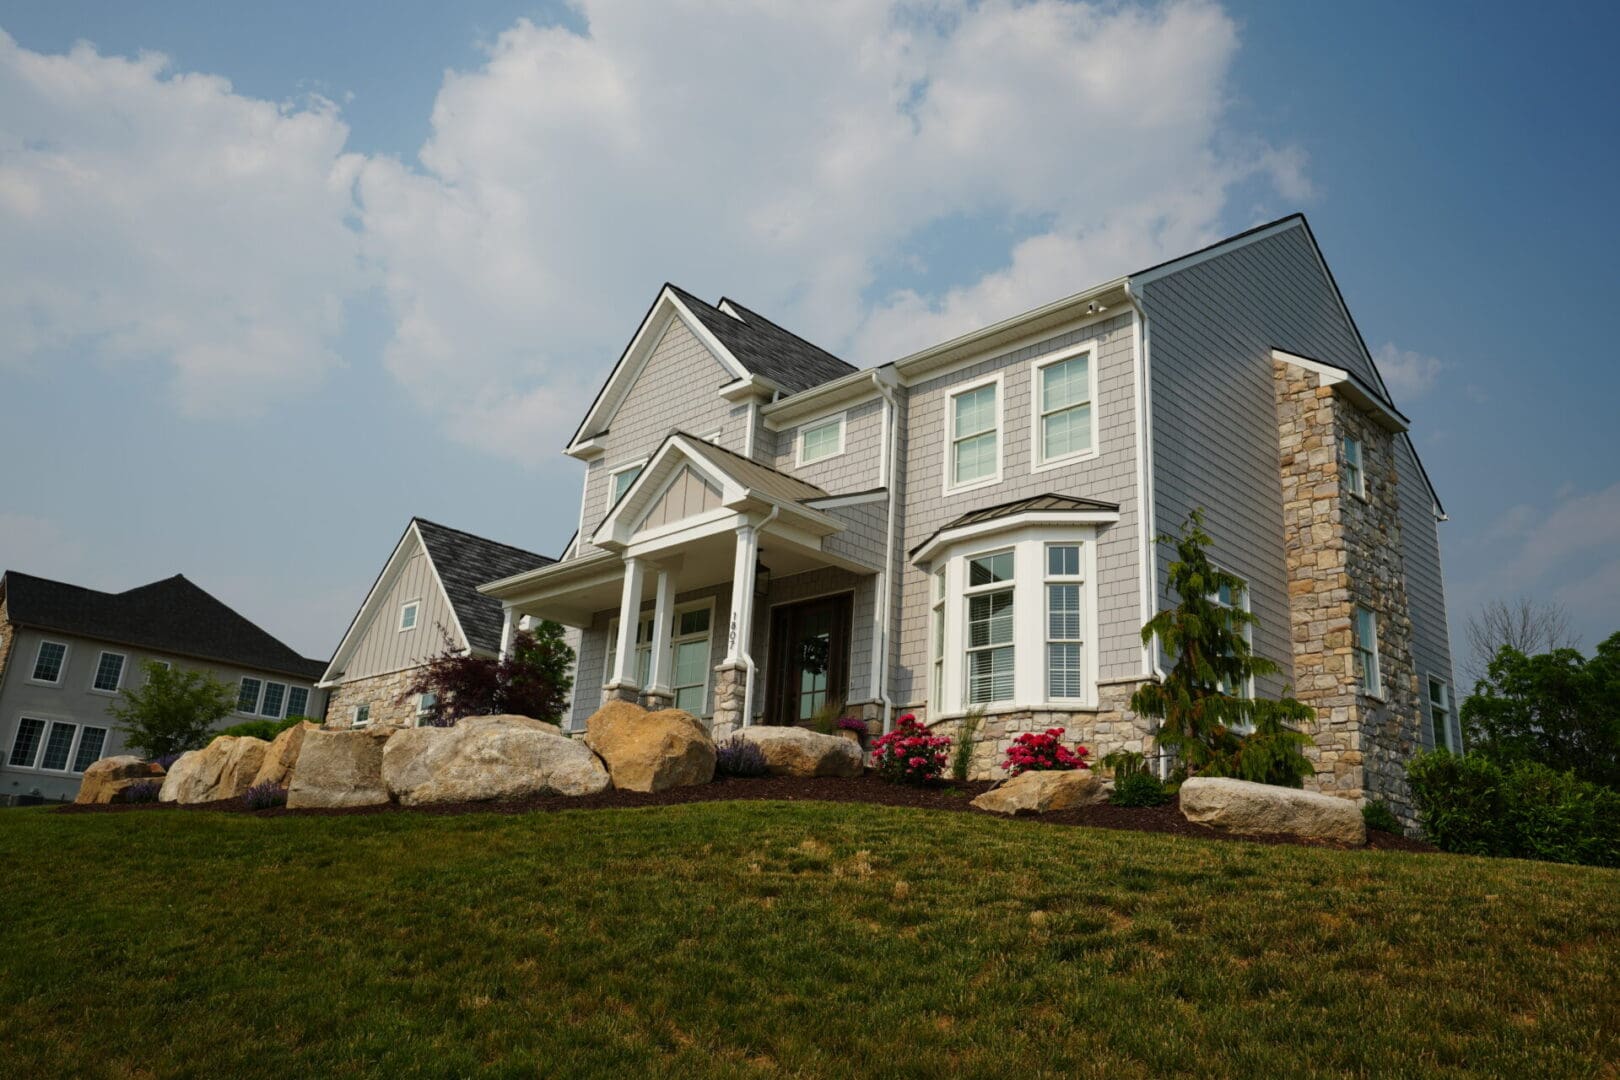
point(154, 216)
point(1408, 374)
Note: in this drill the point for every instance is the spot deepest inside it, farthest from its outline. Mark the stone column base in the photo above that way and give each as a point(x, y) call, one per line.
point(624, 692)
point(654, 701)
point(730, 686)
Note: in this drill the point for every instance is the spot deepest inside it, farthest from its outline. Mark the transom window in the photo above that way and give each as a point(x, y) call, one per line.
point(975, 420)
point(690, 681)
point(622, 481)
point(1063, 407)
point(298, 701)
point(247, 696)
point(1366, 648)
point(274, 695)
point(408, 614)
point(1440, 713)
point(821, 440)
point(1065, 672)
point(48, 662)
point(1355, 478)
point(109, 671)
point(990, 628)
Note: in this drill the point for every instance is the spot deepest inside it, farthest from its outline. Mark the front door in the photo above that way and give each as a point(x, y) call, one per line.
point(809, 660)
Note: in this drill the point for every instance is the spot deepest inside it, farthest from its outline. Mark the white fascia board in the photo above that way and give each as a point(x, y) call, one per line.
point(1343, 382)
point(946, 538)
point(855, 388)
point(858, 498)
point(572, 572)
point(461, 635)
point(362, 618)
point(614, 528)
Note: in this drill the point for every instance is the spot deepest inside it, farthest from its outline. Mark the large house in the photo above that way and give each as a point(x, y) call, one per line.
point(66, 652)
point(765, 530)
point(425, 599)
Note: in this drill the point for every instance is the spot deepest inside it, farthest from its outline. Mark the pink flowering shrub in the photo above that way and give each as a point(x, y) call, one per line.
point(909, 754)
point(1043, 752)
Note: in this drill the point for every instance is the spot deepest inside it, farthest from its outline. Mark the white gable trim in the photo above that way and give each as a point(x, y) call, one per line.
point(1343, 382)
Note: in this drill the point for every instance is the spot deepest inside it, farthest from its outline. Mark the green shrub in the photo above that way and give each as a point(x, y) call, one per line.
point(1378, 815)
point(1460, 801)
point(1138, 789)
point(262, 729)
point(1122, 764)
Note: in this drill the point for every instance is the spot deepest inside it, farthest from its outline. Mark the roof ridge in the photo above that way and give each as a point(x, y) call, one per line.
point(418, 519)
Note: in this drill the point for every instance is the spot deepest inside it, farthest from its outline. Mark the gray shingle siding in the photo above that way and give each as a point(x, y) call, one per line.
point(858, 468)
point(1425, 589)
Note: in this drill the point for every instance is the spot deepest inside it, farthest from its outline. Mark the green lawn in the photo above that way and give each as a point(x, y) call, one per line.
point(778, 939)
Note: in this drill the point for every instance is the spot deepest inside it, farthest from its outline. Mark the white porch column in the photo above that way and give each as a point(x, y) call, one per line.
point(742, 594)
point(506, 631)
point(663, 621)
point(622, 676)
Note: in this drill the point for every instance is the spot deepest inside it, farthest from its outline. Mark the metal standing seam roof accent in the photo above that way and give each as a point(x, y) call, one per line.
point(751, 474)
point(1046, 502)
point(464, 562)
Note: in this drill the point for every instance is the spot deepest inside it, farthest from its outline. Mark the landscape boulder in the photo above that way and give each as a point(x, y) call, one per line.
point(794, 751)
point(105, 780)
point(488, 757)
point(339, 768)
point(283, 755)
point(1242, 807)
point(650, 751)
point(1042, 790)
point(223, 769)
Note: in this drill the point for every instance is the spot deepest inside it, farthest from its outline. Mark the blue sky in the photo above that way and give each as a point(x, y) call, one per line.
point(377, 264)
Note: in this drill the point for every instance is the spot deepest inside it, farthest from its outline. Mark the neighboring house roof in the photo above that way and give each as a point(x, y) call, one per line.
point(171, 616)
point(765, 348)
point(464, 562)
point(1035, 504)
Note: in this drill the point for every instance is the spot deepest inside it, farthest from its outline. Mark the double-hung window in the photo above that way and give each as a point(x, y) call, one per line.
point(92, 740)
point(690, 681)
point(25, 746)
point(1440, 713)
point(975, 425)
point(1065, 668)
point(48, 662)
point(247, 695)
point(1063, 414)
point(990, 592)
point(937, 634)
point(1355, 477)
point(1366, 651)
point(821, 440)
point(109, 672)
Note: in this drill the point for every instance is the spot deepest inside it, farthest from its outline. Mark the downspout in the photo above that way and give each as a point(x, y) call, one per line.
point(747, 655)
point(880, 636)
point(1144, 449)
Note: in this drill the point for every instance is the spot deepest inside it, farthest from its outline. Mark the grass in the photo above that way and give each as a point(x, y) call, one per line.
point(780, 939)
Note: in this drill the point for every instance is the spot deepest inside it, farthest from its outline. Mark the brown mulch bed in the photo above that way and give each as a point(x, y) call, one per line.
point(866, 789)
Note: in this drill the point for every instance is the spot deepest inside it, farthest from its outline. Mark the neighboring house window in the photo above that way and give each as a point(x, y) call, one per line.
point(622, 481)
point(1238, 600)
point(975, 425)
point(247, 697)
point(49, 661)
point(274, 694)
point(690, 680)
point(1354, 476)
point(1063, 407)
point(425, 704)
point(642, 668)
point(821, 440)
point(58, 745)
point(1366, 645)
point(109, 672)
point(298, 701)
point(25, 747)
point(362, 715)
point(407, 615)
point(1065, 673)
point(1440, 713)
point(92, 740)
point(990, 628)
point(938, 685)
point(164, 664)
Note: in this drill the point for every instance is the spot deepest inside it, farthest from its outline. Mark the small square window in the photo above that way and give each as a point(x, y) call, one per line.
point(1063, 560)
point(408, 614)
point(362, 714)
point(622, 481)
point(247, 697)
point(48, 663)
point(109, 671)
point(821, 440)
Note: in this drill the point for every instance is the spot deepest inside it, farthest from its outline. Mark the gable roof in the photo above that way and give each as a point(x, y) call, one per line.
point(170, 616)
point(750, 473)
point(464, 562)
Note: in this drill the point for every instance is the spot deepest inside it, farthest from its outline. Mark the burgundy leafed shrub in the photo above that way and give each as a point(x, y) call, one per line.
point(1043, 752)
point(532, 681)
point(264, 796)
point(909, 754)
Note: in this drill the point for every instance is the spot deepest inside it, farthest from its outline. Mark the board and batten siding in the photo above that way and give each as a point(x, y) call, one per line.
point(383, 647)
point(1108, 477)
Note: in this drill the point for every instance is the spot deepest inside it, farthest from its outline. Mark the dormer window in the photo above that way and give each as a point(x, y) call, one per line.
point(408, 614)
point(821, 440)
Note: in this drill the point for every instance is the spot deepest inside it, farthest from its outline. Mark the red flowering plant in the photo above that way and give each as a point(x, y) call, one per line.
point(909, 754)
point(1043, 752)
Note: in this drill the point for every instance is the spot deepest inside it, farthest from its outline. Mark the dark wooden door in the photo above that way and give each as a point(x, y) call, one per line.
point(809, 658)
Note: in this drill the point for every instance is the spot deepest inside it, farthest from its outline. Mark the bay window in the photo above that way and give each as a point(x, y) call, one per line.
point(937, 633)
point(1064, 673)
point(989, 592)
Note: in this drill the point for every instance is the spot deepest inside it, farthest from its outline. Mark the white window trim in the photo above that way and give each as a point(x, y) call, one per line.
point(415, 608)
point(354, 715)
point(950, 433)
point(61, 672)
point(1039, 462)
point(1029, 617)
point(613, 481)
point(648, 615)
point(258, 695)
point(1048, 579)
point(1358, 488)
point(1377, 690)
point(36, 763)
point(938, 591)
point(968, 593)
point(714, 436)
point(123, 668)
point(610, 652)
point(840, 418)
point(706, 637)
point(422, 706)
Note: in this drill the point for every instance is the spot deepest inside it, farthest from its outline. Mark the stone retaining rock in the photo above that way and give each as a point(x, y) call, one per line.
point(488, 757)
point(283, 755)
point(793, 751)
point(650, 751)
point(1041, 791)
point(105, 780)
point(339, 768)
point(223, 769)
point(1243, 807)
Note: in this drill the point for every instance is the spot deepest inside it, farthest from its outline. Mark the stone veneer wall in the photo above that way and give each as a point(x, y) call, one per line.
point(382, 692)
point(1341, 551)
point(8, 637)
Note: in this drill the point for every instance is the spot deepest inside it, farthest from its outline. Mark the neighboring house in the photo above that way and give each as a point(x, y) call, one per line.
point(764, 529)
point(66, 652)
point(427, 595)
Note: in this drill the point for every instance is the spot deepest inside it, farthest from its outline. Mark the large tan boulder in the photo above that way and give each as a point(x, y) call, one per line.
point(488, 757)
point(339, 768)
point(283, 755)
point(105, 780)
point(650, 751)
point(794, 751)
point(1243, 807)
point(1043, 790)
point(223, 769)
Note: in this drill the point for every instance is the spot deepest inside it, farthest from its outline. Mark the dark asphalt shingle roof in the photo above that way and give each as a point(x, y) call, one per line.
point(765, 348)
point(1048, 501)
point(464, 562)
point(170, 616)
